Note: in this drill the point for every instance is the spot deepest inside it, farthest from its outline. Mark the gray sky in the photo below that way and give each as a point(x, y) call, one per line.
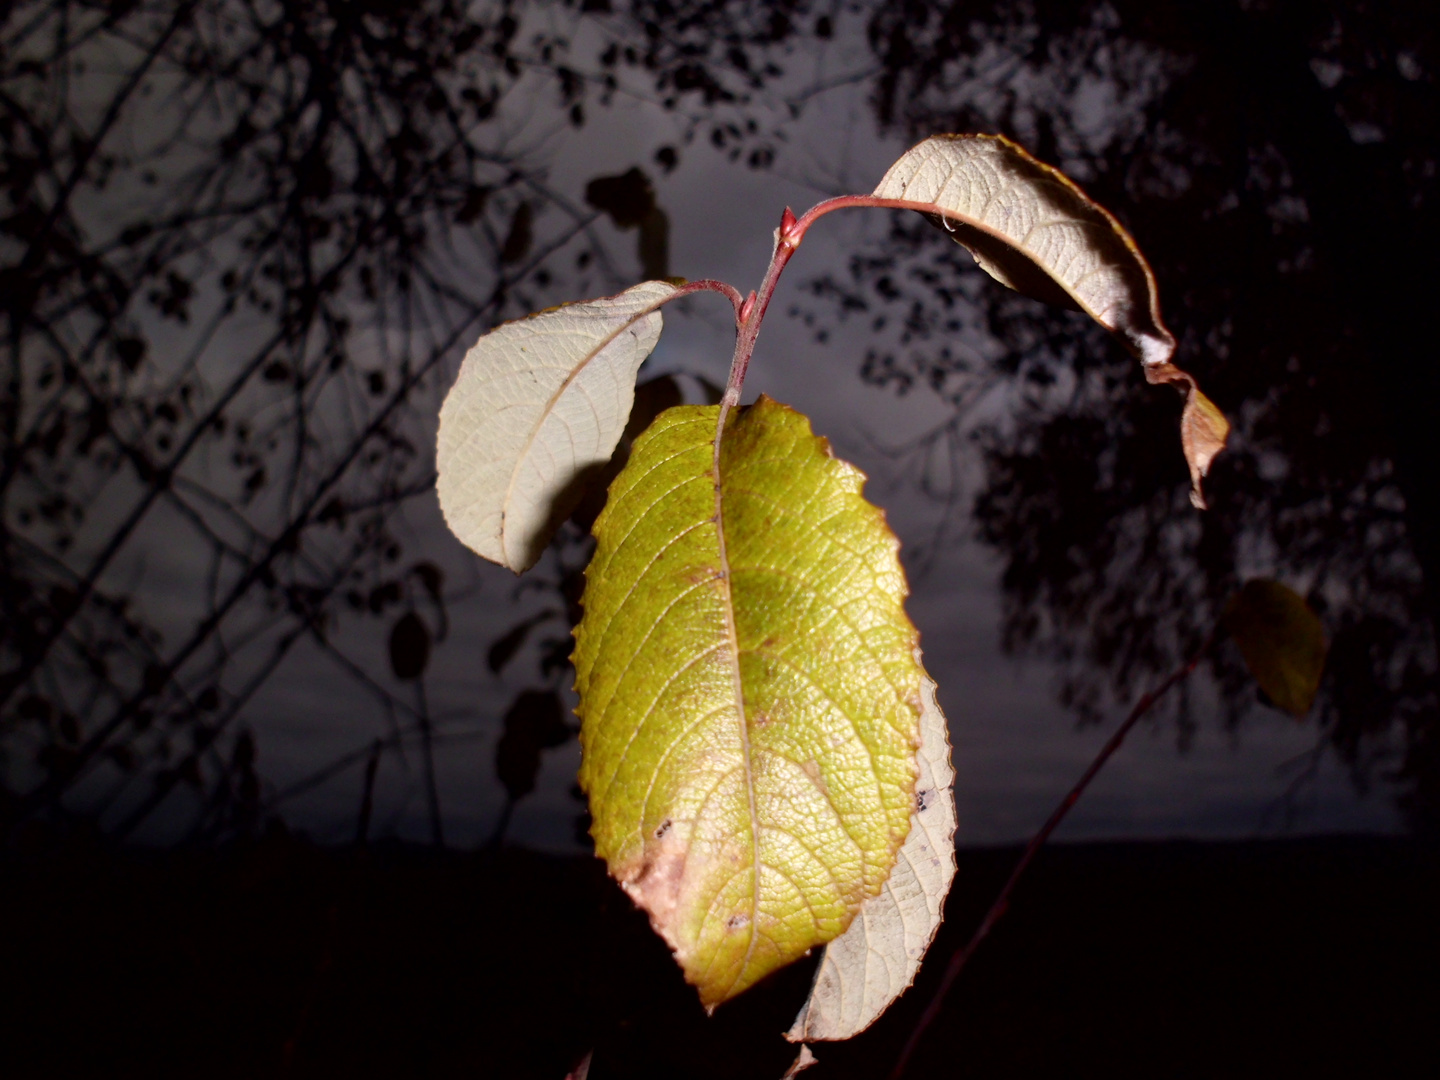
point(1016, 749)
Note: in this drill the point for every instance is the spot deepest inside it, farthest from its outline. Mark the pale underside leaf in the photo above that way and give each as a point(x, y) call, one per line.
point(875, 961)
point(1032, 229)
point(749, 692)
point(536, 412)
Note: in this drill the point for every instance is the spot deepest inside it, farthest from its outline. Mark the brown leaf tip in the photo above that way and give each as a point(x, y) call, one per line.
point(653, 882)
point(1203, 431)
point(803, 1061)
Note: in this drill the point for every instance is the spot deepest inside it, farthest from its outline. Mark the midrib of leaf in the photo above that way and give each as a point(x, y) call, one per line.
point(545, 415)
point(839, 844)
point(734, 641)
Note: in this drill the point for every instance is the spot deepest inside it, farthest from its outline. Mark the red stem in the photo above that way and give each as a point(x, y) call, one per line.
point(751, 312)
point(711, 285)
point(1002, 902)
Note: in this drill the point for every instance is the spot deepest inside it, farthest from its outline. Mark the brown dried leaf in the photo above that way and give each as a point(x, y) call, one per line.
point(803, 1061)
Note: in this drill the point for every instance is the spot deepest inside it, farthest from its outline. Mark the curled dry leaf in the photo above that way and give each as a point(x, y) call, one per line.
point(749, 691)
point(1031, 228)
point(875, 961)
point(1281, 640)
point(535, 414)
point(803, 1061)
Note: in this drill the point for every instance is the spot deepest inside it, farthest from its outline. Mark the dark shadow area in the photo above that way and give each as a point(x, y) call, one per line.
point(1291, 958)
point(1277, 163)
point(241, 242)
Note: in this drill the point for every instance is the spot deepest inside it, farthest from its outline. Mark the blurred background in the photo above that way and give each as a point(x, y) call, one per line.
point(246, 244)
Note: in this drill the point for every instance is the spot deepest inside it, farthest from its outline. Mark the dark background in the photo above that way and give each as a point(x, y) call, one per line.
point(278, 760)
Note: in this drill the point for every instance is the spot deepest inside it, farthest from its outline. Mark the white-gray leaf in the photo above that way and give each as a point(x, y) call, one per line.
point(1031, 228)
point(872, 963)
point(538, 408)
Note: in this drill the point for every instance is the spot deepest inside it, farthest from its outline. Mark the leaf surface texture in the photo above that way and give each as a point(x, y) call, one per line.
point(536, 411)
point(1031, 228)
point(875, 961)
point(749, 692)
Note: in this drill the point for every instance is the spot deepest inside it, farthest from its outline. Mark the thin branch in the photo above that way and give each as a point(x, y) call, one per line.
point(1002, 902)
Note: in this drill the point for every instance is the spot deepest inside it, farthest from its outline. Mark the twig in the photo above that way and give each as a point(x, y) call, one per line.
point(1002, 902)
point(367, 800)
point(432, 792)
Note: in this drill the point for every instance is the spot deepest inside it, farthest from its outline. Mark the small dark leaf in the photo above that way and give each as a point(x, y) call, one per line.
point(1281, 640)
point(334, 510)
point(130, 352)
point(654, 245)
point(409, 647)
point(517, 242)
point(555, 655)
point(505, 648)
point(431, 577)
point(535, 721)
point(383, 595)
point(473, 206)
point(628, 198)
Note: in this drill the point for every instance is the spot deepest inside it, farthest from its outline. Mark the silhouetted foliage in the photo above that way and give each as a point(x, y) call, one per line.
point(241, 239)
point(1277, 162)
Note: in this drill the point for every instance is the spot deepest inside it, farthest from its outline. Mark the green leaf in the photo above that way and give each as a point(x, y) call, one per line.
point(1281, 640)
point(749, 692)
point(1031, 228)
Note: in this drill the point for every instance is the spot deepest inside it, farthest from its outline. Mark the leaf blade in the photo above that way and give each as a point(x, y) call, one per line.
point(539, 406)
point(1030, 227)
point(750, 827)
point(1281, 640)
point(876, 959)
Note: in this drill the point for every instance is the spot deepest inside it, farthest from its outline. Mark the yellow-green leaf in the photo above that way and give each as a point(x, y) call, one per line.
point(1031, 228)
point(1281, 640)
point(749, 691)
